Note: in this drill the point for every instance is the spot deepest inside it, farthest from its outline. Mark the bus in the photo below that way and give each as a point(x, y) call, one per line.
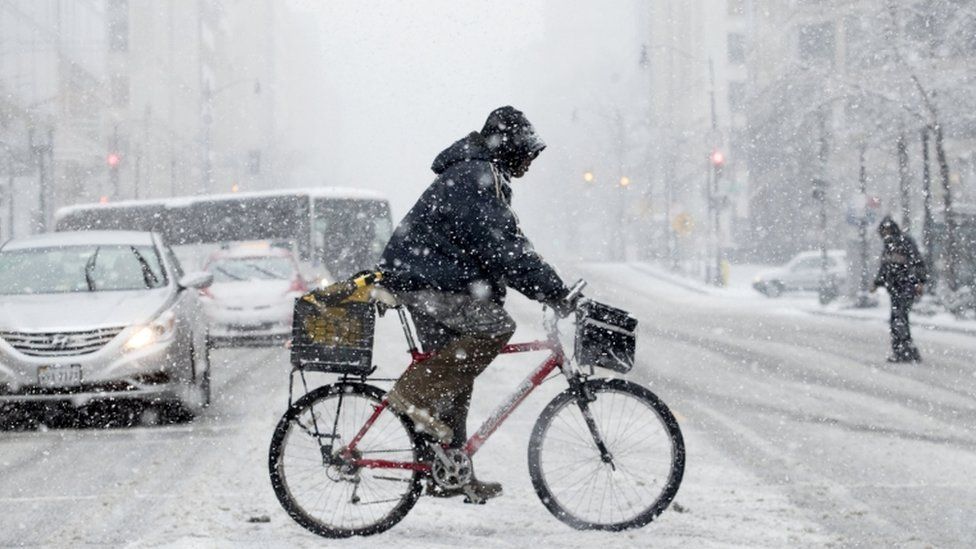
point(334, 231)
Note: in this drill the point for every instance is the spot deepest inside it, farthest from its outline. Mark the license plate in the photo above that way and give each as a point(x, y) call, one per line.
point(62, 375)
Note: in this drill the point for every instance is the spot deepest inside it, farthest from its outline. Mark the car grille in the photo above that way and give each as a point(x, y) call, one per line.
point(60, 343)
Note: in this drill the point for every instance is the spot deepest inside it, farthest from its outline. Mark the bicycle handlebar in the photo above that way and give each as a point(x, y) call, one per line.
point(575, 290)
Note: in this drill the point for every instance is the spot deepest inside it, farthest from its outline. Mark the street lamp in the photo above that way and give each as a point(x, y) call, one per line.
point(588, 176)
point(624, 181)
point(40, 148)
point(208, 97)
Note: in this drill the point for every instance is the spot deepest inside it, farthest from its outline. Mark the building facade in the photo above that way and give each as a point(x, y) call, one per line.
point(52, 94)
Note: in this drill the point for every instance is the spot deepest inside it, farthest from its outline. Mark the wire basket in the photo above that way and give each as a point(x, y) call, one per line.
point(333, 330)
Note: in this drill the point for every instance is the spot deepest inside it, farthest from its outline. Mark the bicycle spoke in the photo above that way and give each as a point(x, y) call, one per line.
point(595, 492)
point(335, 494)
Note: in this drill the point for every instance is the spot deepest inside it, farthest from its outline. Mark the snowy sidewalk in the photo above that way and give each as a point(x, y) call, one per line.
point(740, 289)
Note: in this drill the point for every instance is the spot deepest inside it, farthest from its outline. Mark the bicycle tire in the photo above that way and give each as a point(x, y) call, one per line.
point(542, 427)
point(279, 478)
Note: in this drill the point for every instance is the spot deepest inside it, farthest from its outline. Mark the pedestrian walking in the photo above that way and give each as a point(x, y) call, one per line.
point(903, 274)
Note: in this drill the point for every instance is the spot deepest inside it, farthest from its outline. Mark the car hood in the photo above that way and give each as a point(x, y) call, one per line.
point(80, 310)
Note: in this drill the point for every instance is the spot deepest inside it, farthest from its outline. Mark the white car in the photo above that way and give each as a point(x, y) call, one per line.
point(803, 273)
point(94, 315)
point(252, 298)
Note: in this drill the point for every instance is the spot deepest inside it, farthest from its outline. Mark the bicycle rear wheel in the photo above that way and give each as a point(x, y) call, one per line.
point(325, 493)
point(644, 462)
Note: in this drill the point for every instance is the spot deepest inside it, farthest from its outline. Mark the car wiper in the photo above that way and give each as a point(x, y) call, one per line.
point(270, 273)
point(149, 278)
point(90, 268)
point(229, 274)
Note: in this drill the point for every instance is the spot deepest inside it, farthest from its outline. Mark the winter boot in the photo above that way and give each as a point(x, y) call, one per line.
point(475, 491)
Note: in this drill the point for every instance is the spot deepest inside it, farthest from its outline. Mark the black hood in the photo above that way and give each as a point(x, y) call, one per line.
point(511, 137)
point(471, 147)
point(506, 140)
point(889, 229)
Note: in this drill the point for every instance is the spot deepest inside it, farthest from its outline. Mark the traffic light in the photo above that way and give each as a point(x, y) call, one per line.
point(113, 160)
point(717, 158)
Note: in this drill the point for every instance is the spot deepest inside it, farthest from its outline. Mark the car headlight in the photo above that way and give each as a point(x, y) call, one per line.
point(160, 329)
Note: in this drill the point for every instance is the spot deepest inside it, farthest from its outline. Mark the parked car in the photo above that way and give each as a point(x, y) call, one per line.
point(95, 315)
point(252, 298)
point(803, 273)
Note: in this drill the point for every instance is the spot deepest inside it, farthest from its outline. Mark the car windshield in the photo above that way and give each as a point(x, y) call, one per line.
point(90, 268)
point(252, 268)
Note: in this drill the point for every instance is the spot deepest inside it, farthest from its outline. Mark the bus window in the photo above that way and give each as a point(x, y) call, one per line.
point(350, 235)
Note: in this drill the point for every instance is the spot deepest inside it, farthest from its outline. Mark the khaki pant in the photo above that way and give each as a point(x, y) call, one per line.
point(465, 334)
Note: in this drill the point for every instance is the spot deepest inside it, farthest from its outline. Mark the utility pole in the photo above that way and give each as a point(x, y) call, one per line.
point(903, 183)
point(207, 130)
point(38, 151)
point(113, 160)
point(820, 194)
point(950, 224)
point(862, 232)
point(927, 242)
point(715, 165)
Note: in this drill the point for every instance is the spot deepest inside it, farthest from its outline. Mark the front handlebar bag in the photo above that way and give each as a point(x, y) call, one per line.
point(605, 336)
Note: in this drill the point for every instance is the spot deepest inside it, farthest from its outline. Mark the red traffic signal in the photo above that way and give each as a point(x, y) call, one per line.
point(717, 158)
point(113, 160)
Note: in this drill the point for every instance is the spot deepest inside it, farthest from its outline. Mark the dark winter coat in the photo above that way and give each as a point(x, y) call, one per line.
point(462, 235)
point(902, 266)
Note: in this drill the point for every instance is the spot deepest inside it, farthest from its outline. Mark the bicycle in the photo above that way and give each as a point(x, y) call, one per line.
point(605, 454)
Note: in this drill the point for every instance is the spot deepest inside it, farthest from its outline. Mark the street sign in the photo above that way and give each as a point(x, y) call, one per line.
point(862, 210)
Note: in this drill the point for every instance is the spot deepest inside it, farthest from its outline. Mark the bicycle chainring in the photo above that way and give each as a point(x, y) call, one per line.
point(451, 468)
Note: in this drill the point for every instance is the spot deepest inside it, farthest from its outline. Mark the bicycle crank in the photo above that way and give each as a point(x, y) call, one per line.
point(451, 467)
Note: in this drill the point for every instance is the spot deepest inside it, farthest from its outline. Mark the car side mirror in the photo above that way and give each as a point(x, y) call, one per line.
point(198, 280)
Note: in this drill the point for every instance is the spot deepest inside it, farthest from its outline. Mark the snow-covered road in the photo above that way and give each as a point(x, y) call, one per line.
point(798, 434)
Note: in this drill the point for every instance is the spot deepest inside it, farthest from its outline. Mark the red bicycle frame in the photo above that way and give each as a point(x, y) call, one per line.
point(555, 360)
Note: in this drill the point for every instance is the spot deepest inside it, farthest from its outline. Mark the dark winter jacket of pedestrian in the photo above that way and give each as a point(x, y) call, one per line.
point(902, 266)
point(462, 235)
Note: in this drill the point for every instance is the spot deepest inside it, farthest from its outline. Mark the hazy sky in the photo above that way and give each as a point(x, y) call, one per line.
point(404, 80)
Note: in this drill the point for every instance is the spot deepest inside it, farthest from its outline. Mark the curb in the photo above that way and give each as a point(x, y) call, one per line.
point(650, 271)
point(917, 324)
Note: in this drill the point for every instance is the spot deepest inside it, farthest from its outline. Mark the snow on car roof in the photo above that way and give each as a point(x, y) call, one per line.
point(81, 238)
point(250, 250)
point(816, 253)
point(314, 192)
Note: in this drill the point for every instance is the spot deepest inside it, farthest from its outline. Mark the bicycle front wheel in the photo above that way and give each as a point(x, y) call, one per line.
point(325, 492)
point(627, 484)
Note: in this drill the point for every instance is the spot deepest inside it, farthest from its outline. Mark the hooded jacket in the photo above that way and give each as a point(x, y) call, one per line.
point(902, 266)
point(462, 235)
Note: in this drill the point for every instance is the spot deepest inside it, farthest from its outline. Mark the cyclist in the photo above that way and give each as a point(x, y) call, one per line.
point(449, 262)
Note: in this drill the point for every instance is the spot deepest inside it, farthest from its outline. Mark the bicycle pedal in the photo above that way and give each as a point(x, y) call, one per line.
point(475, 501)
